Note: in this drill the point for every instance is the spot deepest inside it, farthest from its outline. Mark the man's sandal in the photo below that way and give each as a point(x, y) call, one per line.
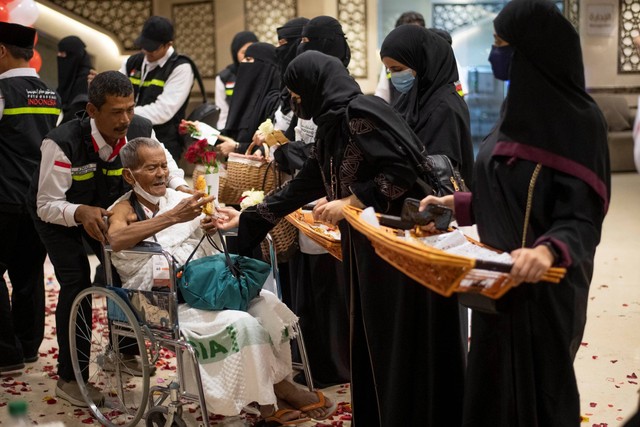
point(320, 405)
point(276, 418)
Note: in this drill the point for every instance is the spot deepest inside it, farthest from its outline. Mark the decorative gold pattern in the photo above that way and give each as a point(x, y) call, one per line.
point(194, 25)
point(123, 19)
point(572, 12)
point(352, 14)
point(452, 16)
point(263, 17)
point(629, 22)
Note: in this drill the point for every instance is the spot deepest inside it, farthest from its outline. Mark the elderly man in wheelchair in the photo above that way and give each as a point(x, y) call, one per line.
point(252, 369)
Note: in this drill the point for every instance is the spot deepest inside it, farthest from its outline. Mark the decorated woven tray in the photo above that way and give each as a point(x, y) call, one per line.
point(438, 270)
point(326, 236)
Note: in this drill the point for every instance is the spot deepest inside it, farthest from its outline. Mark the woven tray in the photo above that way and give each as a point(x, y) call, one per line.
point(306, 226)
point(442, 272)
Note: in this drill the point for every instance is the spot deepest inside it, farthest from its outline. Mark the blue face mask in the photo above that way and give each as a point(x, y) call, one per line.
point(500, 59)
point(403, 80)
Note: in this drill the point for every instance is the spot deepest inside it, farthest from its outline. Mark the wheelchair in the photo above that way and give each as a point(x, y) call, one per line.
point(109, 322)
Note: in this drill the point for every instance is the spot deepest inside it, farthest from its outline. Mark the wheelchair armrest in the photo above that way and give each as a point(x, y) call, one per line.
point(144, 247)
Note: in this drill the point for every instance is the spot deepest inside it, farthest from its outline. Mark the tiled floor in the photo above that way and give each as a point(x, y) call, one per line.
point(607, 366)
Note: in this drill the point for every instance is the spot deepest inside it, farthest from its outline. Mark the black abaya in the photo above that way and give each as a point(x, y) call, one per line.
point(73, 69)
point(256, 94)
point(406, 352)
point(520, 367)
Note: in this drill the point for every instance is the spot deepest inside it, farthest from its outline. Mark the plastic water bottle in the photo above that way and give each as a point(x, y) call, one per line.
point(18, 414)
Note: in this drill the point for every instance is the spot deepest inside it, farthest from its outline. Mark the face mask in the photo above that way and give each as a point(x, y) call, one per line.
point(142, 193)
point(298, 110)
point(403, 80)
point(500, 59)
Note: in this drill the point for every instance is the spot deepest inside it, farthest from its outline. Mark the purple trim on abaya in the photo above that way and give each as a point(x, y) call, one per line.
point(463, 208)
point(554, 161)
point(565, 256)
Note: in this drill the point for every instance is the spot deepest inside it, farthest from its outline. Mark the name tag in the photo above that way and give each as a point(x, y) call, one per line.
point(160, 272)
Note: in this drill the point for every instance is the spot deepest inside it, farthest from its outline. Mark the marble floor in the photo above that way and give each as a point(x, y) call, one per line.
point(607, 366)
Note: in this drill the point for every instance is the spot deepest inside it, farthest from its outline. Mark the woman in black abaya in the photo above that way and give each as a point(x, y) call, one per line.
point(424, 69)
point(541, 191)
point(289, 37)
point(317, 291)
point(407, 357)
point(226, 79)
point(256, 97)
point(74, 65)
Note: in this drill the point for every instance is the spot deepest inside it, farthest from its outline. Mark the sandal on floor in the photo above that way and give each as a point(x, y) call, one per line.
point(320, 405)
point(276, 418)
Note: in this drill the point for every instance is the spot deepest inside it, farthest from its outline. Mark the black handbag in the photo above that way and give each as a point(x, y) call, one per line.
point(447, 177)
point(206, 112)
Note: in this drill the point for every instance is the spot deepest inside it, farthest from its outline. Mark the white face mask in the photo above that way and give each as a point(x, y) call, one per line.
point(148, 197)
point(142, 193)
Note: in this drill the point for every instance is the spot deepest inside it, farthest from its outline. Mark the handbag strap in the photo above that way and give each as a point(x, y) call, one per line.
point(527, 215)
point(194, 250)
point(232, 266)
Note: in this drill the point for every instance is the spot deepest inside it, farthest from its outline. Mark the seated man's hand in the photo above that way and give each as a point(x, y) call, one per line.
point(228, 218)
point(190, 208)
point(91, 218)
point(209, 224)
point(227, 146)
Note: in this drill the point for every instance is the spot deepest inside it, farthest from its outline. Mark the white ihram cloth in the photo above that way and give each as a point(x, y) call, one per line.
point(241, 354)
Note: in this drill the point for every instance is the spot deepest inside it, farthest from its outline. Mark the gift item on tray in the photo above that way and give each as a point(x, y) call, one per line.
point(325, 235)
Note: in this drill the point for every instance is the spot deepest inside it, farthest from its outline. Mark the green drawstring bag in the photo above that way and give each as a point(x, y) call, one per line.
point(222, 281)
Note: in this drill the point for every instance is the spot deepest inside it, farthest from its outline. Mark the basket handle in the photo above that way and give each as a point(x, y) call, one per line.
point(254, 145)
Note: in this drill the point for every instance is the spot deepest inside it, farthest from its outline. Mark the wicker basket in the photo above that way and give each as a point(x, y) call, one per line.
point(306, 226)
point(246, 172)
point(285, 242)
point(442, 272)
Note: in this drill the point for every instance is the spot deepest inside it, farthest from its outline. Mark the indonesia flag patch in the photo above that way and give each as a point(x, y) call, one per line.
point(61, 166)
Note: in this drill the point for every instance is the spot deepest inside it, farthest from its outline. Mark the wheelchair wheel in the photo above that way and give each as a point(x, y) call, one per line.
point(157, 417)
point(102, 329)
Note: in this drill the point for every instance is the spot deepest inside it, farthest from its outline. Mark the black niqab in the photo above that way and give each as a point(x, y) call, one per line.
point(256, 93)
point(239, 40)
point(547, 93)
point(324, 87)
point(433, 108)
point(73, 70)
point(292, 33)
point(325, 35)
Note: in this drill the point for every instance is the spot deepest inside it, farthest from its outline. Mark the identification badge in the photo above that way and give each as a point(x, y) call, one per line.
point(160, 272)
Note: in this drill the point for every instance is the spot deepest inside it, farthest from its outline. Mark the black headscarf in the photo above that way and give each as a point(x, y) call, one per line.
point(72, 70)
point(547, 116)
point(326, 90)
point(239, 40)
point(433, 108)
point(292, 32)
point(325, 35)
point(256, 94)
